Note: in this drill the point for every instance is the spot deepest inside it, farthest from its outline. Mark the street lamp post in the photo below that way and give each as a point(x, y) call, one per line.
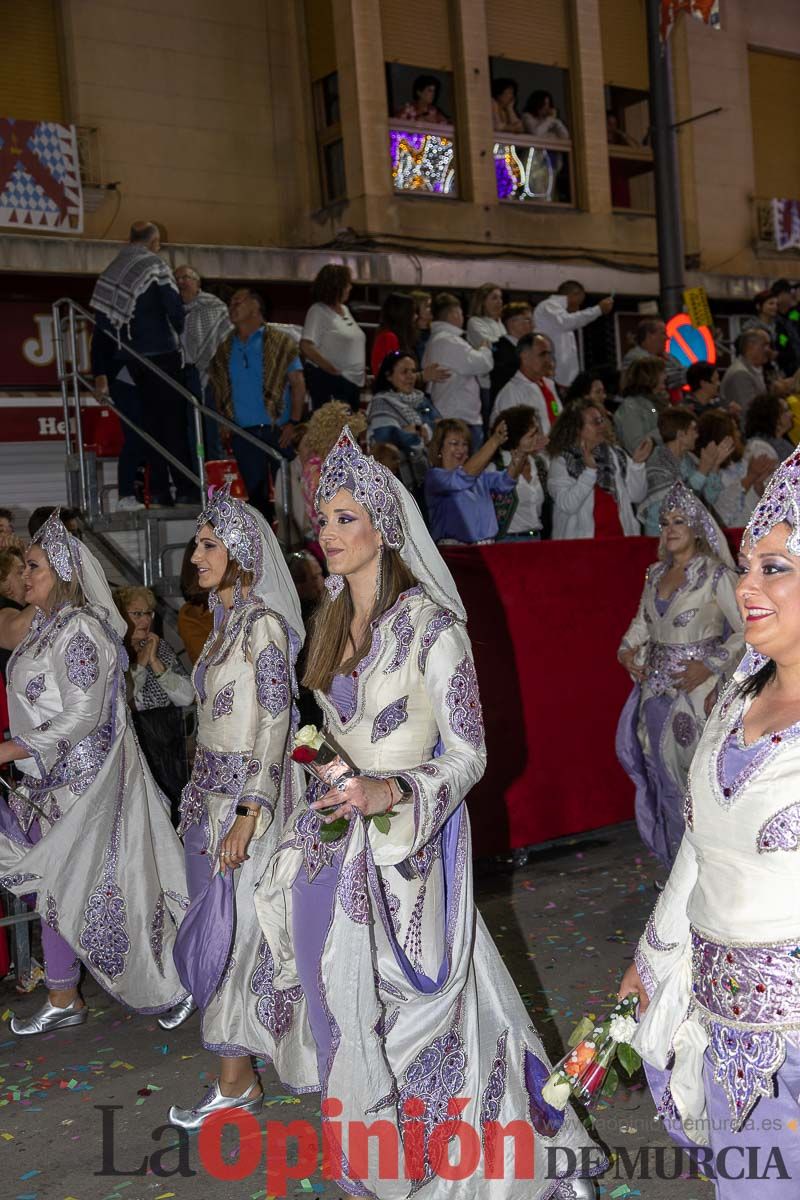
point(669, 227)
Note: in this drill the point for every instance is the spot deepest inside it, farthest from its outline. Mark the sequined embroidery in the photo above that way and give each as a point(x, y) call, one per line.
point(369, 483)
point(441, 620)
point(756, 985)
point(745, 1063)
point(272, 681)
point(222, 705)
point(50, 916)
point(665, 660)
point(688, 808)
point(352, 889)
point(781, 831)
point(684, 729)
point(495, 1086)
point(763, 751)
point(81, 660)
point(34, 688)
point(157, 934)
point(685, 618)
point(463, 704)
point(275, 1006)
point(434, 1076)
point(403, 631)
point(652, 938)
point(389, 719)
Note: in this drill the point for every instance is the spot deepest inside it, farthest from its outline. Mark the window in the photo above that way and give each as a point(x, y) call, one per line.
point(422, 146)
point(532, 146)
point(630, 157)
point(329, 138)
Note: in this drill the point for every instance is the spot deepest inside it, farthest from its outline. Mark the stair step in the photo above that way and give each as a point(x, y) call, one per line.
point(139, 517)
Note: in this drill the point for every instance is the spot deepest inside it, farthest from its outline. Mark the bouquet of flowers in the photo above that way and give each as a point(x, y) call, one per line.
point(327, 764)
point(588, 1070)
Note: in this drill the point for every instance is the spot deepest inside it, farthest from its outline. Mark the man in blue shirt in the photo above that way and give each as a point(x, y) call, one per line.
point(258, 382)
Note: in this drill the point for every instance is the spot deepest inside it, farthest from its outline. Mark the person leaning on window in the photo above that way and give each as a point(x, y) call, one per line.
point(459, 488)
point(423, 107)
point(505, 118)
point(333, 343)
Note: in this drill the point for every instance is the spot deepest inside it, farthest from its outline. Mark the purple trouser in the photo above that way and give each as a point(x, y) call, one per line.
point(769, 1137)
point(312, 905)
point(62, 967)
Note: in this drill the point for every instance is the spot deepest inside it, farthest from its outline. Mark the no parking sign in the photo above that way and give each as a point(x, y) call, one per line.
point(689, 344)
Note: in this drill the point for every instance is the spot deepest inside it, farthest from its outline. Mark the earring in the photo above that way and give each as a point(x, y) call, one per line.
point(379, 576)
point(334, 585)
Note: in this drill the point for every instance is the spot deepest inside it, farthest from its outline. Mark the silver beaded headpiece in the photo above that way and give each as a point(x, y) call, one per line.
point(235, 528)
point(681, 499)
point(368, 481)
point(780, 502)
point(60, 547)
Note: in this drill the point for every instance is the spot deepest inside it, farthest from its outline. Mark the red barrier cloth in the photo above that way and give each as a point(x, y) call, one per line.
point(546, 620)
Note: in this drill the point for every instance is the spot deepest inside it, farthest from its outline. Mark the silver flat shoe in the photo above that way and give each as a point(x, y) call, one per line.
point(179, 1013)
point(192, 1118)
point(48, 1018)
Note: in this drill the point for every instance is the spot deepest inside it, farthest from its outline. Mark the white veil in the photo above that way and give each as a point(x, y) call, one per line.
point(70, 559)
point(249, 540)
point(394, 513)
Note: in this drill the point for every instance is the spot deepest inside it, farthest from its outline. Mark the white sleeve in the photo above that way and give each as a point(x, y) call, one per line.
point(314, 323)
point(569, 495)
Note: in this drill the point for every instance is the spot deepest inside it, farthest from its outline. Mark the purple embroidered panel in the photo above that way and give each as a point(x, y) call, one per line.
point(50, 916)
point(104, 937)
point(652, 938)
point(215, 771)
point(157, 934)
point(80, 657)
point(352, 889)
point(684, 730)
point(546, 1119)
point(495, 1086)
point(78, 766)
point(222, 705)
point(685, 618)
point(753, 757)
point(464, 705)
point(745, 1064)
point(434, 1077)
point(12, 881)
point(645, 972)
point(781, 831)
point(666, 660)
point(272, 681)
point(688, 808)
point(34, 688)
point(316, 853)
point(403, 631)
point(389, 719)
point(275, 1006)
point(440, 621)
point(758, 985)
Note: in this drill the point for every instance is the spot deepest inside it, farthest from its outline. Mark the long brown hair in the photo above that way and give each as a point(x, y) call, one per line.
point(330, 624)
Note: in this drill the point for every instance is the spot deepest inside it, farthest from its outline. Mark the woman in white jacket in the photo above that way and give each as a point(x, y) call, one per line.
point(594, 484)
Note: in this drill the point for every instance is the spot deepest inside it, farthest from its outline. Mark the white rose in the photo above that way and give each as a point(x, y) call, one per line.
point(309, 735)
point(556, 1092)
point(622, 1029)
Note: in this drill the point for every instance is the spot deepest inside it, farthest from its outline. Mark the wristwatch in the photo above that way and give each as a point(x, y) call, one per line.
point(404, 787)
point(242, 810)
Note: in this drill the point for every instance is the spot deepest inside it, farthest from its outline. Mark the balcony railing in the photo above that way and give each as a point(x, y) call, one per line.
point(423, 158)
point(534, 170)
point(632, 179)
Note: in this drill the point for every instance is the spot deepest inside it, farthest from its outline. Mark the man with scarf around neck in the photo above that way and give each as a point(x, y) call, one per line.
point(207, 324)
point(137, 304)
point(258, 382)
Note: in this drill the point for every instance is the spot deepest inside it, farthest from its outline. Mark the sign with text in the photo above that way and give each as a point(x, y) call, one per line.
point(27, 345)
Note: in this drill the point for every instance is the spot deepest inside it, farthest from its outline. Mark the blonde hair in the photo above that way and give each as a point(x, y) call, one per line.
point(123, 597)
point(66, 592)
point(477, 305)
point(328, 422)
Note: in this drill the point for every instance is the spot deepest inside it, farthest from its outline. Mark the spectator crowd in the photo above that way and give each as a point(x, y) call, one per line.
point(479, 404)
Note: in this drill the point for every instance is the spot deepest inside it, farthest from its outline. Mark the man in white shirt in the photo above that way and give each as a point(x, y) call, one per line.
point(559, 316)
point(460, 394)
point(533, 383)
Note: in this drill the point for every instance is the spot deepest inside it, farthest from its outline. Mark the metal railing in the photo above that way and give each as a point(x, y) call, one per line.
point(71, 380)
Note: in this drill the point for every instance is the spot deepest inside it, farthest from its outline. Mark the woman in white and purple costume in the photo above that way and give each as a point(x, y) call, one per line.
point(242, 791)
point(685, 639)
point(718, 968)
point(396, 988)
point(87, 831)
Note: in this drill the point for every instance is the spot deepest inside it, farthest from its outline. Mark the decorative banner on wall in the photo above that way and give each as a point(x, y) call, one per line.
point(703, 10)
point(786, 223)
point(40, 178)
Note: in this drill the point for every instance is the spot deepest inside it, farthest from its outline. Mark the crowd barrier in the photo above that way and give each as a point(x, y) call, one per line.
point(546, 620)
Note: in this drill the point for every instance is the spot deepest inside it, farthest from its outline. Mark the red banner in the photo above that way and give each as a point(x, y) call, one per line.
point(27, 346)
